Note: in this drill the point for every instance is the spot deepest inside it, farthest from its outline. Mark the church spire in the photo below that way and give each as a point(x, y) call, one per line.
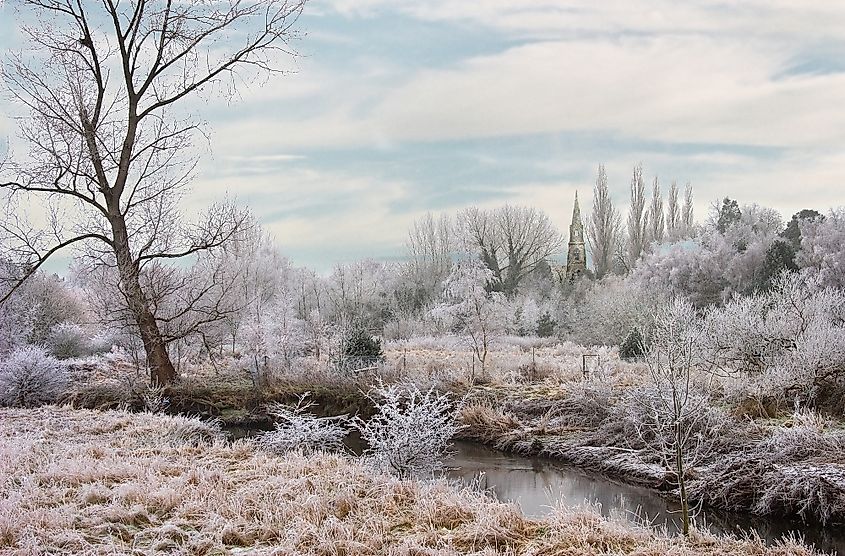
point(576, 258)
point(576, 229)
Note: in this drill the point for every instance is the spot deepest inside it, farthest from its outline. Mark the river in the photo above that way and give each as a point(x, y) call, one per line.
point(537, 485)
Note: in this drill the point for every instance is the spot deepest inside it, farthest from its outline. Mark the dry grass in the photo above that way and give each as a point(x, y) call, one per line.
point(85, 482)
point(486, 424)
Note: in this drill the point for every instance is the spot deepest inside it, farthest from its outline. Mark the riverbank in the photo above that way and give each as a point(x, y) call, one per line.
point(792, 466)
point(751, 458)
point(89, 482)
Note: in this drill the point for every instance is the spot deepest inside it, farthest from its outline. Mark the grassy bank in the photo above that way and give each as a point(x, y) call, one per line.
point(88, 482)
point(534, 399)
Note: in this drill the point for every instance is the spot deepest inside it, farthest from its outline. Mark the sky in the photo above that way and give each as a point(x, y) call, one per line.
point(398, 107)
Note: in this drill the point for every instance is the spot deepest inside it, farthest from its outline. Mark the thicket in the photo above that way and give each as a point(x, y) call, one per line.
point(411, 430)
point(30, 377)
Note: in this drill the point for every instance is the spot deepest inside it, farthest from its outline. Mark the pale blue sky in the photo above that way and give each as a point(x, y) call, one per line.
point(400, 107)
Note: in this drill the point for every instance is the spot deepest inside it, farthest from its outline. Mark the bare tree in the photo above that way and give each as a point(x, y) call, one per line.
point(430, 246)
point(673, 212)
point(682, 426)
point(656, 218)
point(604, 229)
point(511, 241)
point(109, 142)
point(637, 218)
point(687, 213)
point(472, 308)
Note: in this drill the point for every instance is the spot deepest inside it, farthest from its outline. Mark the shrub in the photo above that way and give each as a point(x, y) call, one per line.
point(649, 425)
point(546, 325)
point(360, 351)
point(30, 377)
point(361, 344)
point(410, 432)
point(632, 347)
point(68, 340)
point(297, 428)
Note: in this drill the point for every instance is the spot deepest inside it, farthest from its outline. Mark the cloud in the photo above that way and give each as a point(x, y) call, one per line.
point(398, 107)
point(544, 18)
point(683, 89)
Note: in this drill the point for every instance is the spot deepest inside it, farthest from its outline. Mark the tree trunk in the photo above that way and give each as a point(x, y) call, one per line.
point(162, 372)
point(682, 484)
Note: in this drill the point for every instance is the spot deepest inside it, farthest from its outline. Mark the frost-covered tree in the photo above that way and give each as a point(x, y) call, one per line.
point(189, 303)
point(821, 253)
point(790, 340)
point(726, 215)
point(608, 310)
point(693, 269)
point(257, 274)
point(656, 218)
point(604, 228)
point(109, 141)
point(474, 311)
point(17, 313)
point(673, 213)
point(512, 242)
point(679, 400)
point(637, 219)
point(36, 307)
point(712, 267)
point(274, 337)
point(687, 213)
point(430, 243)
point(410, 432)
point(357, 296)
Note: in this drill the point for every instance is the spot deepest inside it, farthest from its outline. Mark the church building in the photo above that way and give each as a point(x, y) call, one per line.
point(576, 258)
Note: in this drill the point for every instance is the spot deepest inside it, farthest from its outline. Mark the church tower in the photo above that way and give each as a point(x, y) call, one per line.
point(576, 258)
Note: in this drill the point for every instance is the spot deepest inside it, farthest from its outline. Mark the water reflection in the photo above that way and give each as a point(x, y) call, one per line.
point(538, 485)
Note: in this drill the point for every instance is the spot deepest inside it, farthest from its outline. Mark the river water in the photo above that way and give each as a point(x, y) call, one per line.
point(537, 485)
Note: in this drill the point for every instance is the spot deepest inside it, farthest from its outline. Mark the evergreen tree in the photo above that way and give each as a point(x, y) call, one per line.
point(633, 346)
point(729, 214)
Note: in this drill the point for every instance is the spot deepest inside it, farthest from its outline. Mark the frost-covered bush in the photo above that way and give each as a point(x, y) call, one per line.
point(104, 342)
point(30, 377)
point(298, 429)
point(608, 312)
point(650, 424)
point(632, 347)
point(410, 432)
point(68, 340)
point(789, 341)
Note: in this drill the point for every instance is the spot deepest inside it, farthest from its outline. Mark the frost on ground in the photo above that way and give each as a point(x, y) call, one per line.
point(86, 482)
